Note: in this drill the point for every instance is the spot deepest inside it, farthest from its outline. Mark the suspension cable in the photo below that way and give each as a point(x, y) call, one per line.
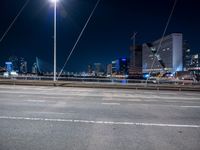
point(80, 35)
point(9, 27)
point(159, 47)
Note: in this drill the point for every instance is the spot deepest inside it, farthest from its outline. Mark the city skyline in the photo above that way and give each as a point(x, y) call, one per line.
point(107, 36)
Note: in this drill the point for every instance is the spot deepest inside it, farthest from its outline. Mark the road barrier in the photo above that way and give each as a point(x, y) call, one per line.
point(179, 86)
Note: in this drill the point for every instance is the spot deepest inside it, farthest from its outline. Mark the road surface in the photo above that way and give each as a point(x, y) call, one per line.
point(63, 118)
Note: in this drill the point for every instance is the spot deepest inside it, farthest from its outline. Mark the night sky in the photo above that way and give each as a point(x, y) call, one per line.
point(107, 36)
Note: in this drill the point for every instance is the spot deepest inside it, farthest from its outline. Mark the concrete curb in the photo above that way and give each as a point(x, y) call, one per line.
point(136, 86)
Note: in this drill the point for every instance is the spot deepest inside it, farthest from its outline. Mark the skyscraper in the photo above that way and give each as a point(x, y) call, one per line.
point(120, 66)
point(164, 54)
point(135, 66)
point(34, 68)
point(109, 69)
point(98, 69)
point(195, 66)
point(89, 69)
point(23, 66)
point(195, 61)
point(15, 62)
point(186, 55)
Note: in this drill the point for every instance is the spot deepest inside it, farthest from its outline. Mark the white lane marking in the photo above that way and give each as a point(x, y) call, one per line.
point(190, 106)
point(58, 113)
point(102, 122)
point(174, 98)
point(110, 103)
point(124, 99)
point(35, 101)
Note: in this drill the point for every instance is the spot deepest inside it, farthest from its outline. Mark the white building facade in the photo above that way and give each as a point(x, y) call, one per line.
point(167, 56)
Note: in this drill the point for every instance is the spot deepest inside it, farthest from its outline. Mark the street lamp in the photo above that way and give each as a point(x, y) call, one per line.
point(54, 1)
point(54, 72)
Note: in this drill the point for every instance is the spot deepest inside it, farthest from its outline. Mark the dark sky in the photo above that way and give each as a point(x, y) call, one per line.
point(107, 36)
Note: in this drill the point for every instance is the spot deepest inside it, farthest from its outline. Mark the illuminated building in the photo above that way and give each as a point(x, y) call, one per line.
point(98, 69)
point(135, 66)
point(109, 69)
point(120, 66)
point(167, 56)
point(23, 66)
point(90, 69)
point(195, 66)
point(15, 62)
point(195, 61)
point(34, 68)
point(9, 66)
point(186, 56)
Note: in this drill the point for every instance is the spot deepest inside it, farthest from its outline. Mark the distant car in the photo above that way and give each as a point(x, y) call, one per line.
point(153, 80)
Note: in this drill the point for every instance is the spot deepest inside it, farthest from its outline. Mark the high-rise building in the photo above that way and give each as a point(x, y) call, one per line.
point(90, 69)
point(195, 61)
point(109, 69)
point(15, 62)
point(120, 66)
point(195, 66)
point(115, 67)
point(164, 54)
point(34, 68)
point(23, 66)
point(186, 56)
point(98, 69)
point(135, 66)
point(123, 68)
point(8, 66)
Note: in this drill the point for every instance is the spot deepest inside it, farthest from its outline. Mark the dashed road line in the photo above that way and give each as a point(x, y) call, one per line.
point(190, 106)
point(110, 103)
point(35, 101)
point(103, 122)
point(56, 113)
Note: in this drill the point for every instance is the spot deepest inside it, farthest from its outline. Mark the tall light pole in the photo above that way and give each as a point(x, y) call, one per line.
point(55, 5)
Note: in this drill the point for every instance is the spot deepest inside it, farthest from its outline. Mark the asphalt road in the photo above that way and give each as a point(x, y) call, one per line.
point(61, 118)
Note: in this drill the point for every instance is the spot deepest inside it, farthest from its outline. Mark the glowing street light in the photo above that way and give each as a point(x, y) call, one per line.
point(54, 1)
point(54, 72)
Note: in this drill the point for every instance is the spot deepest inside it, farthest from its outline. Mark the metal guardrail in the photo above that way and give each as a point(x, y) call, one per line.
point(81, 82)
point(106, 80)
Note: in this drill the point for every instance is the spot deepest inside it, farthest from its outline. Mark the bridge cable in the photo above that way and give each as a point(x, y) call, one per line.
point(9, 27)
point(80, 35)
point(167, 24)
